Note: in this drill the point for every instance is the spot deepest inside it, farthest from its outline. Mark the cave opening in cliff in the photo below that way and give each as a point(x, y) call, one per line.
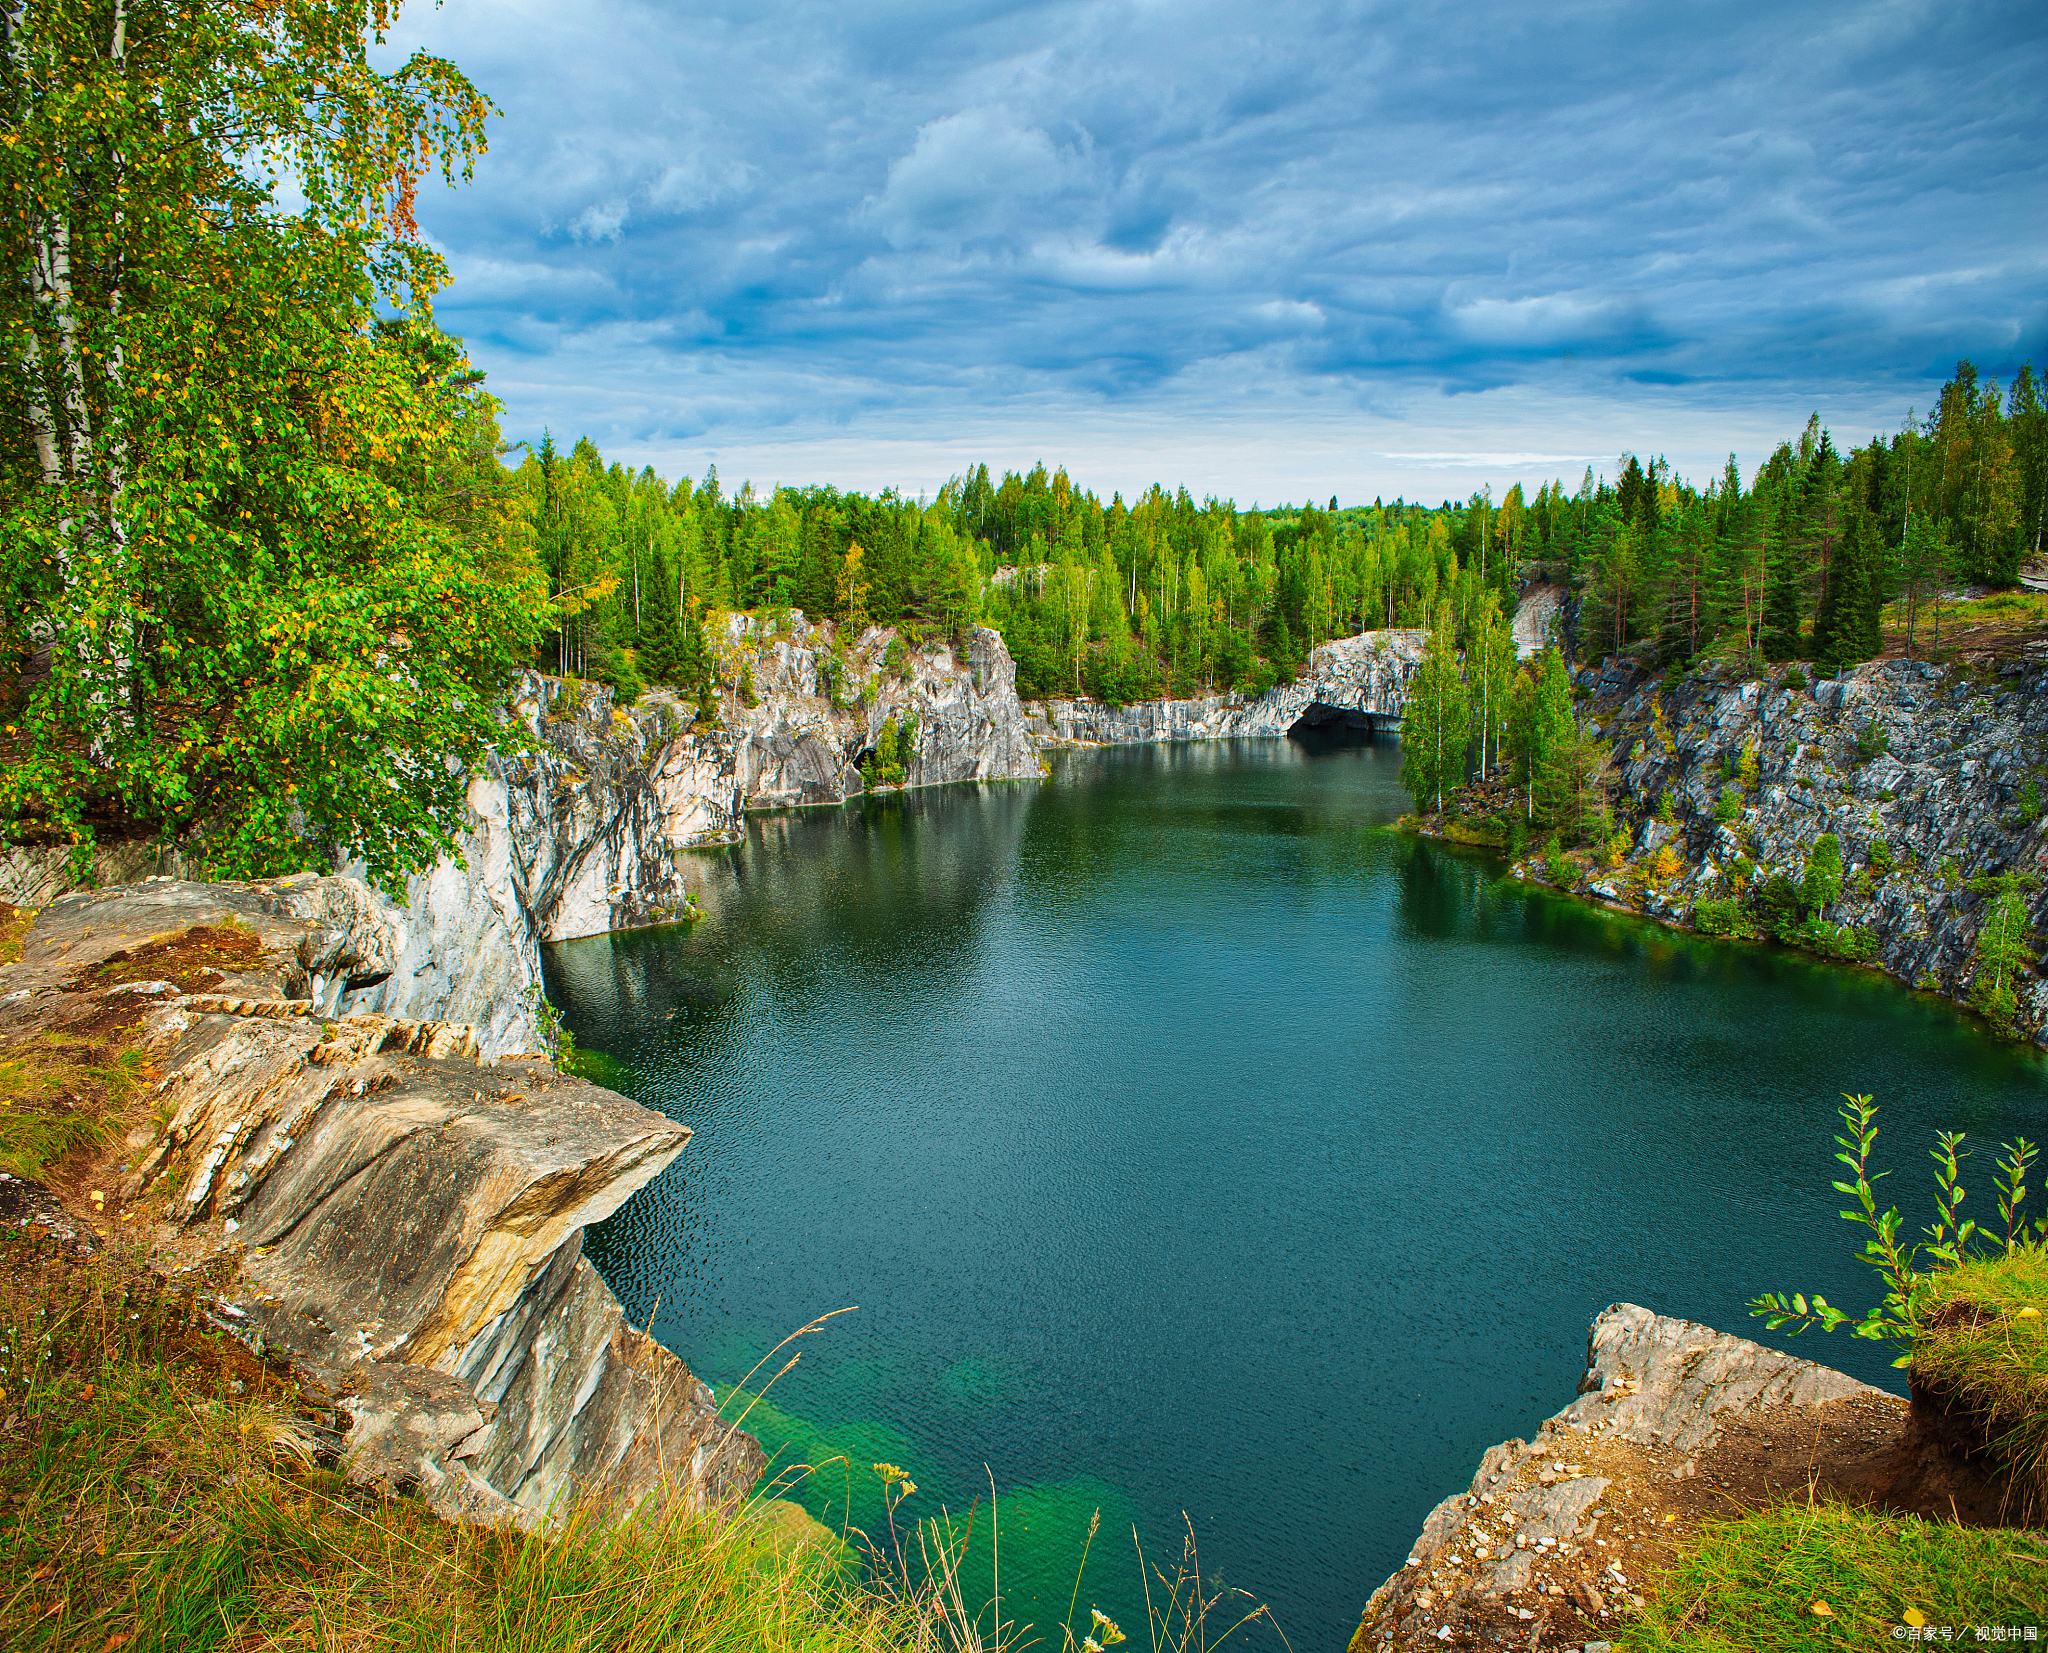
point(1326, 727)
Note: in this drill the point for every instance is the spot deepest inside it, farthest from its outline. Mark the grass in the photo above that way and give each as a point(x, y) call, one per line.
point(14, 923)
point(191, 960)
point(164, 1491)
point(158, 1491)
point(1980, 1346)
point(1823, 1575)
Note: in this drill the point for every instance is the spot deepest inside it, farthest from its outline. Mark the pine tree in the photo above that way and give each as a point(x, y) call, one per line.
point(1781, 606)
point(1436, 721)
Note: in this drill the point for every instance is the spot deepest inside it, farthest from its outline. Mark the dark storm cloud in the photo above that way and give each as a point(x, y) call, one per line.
point(700, 223)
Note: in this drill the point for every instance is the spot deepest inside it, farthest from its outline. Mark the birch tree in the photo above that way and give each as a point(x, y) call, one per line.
point(237, 611)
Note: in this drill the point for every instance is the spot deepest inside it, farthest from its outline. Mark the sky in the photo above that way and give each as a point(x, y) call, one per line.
point(1269, 250)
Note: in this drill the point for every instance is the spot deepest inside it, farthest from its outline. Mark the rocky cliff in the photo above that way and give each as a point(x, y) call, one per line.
point(368, 1198)
point(1674, 1424)
point(591, 822)
point(1931, 779)
point(1362, 680)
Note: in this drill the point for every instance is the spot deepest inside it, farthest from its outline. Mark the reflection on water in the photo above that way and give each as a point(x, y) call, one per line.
point(1191, 1143)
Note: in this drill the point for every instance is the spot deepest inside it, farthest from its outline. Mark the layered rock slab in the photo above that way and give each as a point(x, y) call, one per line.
point(407, 1220)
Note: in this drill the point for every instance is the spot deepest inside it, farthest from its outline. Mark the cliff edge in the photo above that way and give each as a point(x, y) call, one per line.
point(1556, 1538)
point(362, 1194)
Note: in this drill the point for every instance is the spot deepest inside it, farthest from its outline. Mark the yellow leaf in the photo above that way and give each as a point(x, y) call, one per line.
point(1821, 1610)
point(1914, 1617)
point(2028, 1313)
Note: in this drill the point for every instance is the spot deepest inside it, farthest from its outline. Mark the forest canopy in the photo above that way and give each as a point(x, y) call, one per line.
point(1162, 595)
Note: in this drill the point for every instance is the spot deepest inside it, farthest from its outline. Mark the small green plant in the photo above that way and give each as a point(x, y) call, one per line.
point(896, 660)
point(1721, 917)
point(1907, 1268)
point(1880, 860)
point(1728, 806)
point(1748, 769)
point(1666, 810)
point(2030, 803)
point(1872, 743)
point(1794, 678)
point(1556, 865)
point(747, 696)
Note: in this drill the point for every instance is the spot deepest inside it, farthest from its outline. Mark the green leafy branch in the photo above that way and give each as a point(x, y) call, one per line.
point(1907, 1268)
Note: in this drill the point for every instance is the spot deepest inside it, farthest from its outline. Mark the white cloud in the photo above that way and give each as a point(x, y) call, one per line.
point(603, 222)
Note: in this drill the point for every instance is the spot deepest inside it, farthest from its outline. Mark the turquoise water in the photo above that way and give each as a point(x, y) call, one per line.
point(1192, 1144)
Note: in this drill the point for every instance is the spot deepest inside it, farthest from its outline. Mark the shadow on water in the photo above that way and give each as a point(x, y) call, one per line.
point(1193, 1143)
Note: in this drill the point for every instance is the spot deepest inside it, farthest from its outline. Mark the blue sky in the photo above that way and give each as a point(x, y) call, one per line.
point(1265, 248)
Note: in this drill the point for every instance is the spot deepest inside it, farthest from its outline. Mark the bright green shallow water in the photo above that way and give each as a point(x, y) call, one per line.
point(1189, 1143)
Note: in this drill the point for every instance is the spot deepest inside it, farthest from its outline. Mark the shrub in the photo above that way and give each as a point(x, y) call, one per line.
point(1557, 866)
point(1872, 743)
point(747, 695)
point(1666, 810)
point(1720, 918)
point(1666, 866)
point(1880, 857)
point(1793, 679)
point(1749, 771)
point(1728, 806)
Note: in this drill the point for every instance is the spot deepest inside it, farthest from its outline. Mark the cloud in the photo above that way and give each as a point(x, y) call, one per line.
point(599, 223)
point(709, 225)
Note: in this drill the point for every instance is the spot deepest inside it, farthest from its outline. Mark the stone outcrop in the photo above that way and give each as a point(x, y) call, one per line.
point(1361, 680)
point(593, 821)
point(1932, 780)
point(1524, 1541)
point(406, 1222)
point(593, 827)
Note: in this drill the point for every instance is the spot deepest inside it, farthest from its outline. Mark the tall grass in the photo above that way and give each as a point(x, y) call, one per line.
point(161, 1492)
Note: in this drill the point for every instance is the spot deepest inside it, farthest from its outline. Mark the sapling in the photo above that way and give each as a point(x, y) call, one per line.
point(1907, 1268)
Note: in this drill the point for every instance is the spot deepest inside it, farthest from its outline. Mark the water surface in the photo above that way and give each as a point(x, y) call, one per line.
point(1191, 1143)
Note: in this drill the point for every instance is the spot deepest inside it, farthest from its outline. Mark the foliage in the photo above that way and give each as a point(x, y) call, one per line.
point(1821, 886)
point(1908, 1269)
point(1721, 917)
point(2002, 951)
point(1435, 722)
point(1728, 806)
point(1809, 1574)
point(264, 583)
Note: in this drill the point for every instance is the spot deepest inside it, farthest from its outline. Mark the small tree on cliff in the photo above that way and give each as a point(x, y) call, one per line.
point(1436, 722)
point(2001, 951)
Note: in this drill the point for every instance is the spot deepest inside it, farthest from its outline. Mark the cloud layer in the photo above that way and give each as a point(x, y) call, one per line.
point(1264, 247)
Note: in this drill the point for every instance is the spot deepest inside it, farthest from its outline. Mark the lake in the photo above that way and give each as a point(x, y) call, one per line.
point(1195, 1147)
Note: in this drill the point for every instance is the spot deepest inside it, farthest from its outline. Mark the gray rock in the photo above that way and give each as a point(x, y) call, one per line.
point(412, 1219)
point(1935, 764)
point(1362, 679)
point(1649, 1379)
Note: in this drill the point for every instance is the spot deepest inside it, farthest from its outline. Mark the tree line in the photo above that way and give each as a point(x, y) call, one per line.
point(1165, 596)
point(269, 563)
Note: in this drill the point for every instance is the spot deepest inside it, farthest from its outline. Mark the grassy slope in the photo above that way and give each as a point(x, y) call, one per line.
point(157, 1493)
point(1801, 1577)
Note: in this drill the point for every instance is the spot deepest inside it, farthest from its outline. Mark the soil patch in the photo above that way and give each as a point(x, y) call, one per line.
point(196, 960)
point(1868, 1450)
